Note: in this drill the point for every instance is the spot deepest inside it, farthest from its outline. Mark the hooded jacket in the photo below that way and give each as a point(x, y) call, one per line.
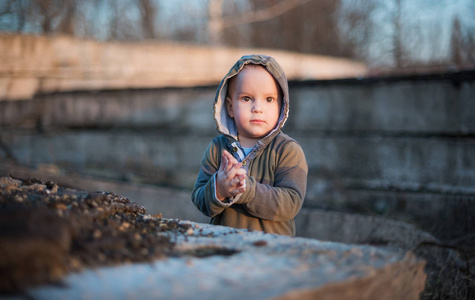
point(276, 167)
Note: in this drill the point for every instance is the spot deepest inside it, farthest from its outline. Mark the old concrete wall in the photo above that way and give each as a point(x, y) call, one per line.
point(32, 64)
point(402, 148)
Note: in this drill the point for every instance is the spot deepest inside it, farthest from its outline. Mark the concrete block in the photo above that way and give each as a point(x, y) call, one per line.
point(256, 266)
point(64, 63)
point(358, 229)
point(413, 163)
point(410, 107)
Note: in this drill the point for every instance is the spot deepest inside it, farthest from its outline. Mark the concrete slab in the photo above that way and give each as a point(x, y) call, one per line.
point(252, 265)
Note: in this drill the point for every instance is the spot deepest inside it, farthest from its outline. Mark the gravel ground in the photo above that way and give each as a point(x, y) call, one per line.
point(47, 231)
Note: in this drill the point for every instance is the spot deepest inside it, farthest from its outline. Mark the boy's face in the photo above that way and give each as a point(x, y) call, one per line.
point(254, 102)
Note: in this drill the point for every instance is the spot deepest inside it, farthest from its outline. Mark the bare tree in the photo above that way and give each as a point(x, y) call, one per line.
point(462, 46)
point(148, 11)
point(456, 42)
point(397, 36)
point(309, 28)
point(114, 23)
point(86, 15)
point(383, 33)
point(217, 22)
point(356, 28)
point(67, 24)
point(48, 12)
point(122, 24)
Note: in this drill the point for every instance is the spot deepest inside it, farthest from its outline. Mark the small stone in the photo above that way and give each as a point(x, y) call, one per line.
point(97, 234)
point(260, 243)
point(61, 206)
point(75, 264)
point(124, 226)
point(190, 231)
point(37, 187)
point(157, 216)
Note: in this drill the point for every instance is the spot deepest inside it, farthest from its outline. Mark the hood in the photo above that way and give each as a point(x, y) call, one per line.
point(224, 123)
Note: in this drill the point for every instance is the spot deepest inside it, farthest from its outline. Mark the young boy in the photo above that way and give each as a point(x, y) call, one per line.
point(252, 175)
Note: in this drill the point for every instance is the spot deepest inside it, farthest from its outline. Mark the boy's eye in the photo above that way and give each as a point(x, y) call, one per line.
point(269, 99)
point(246, 99)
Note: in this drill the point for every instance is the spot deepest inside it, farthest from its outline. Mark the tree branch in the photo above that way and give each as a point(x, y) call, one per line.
point(263, 14)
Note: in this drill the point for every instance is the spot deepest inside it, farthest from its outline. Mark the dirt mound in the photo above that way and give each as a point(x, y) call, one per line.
point(47, 231)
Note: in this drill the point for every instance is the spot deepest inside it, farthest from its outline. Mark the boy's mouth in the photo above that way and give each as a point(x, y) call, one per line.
point(257, 121)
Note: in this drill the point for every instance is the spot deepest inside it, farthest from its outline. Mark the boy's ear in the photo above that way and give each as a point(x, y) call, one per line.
point(229, 106)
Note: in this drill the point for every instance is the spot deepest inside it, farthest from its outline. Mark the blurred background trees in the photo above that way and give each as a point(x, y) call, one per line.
point(395, 35)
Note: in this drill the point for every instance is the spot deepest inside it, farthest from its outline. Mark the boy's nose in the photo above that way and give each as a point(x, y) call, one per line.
point(257, 106)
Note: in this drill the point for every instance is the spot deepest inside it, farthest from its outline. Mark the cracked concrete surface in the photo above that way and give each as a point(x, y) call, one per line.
point(252, 265)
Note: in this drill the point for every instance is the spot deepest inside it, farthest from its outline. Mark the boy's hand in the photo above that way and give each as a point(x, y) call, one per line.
point(231, 178)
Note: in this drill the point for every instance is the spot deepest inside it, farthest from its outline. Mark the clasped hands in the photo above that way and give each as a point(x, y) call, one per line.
point(231, 178)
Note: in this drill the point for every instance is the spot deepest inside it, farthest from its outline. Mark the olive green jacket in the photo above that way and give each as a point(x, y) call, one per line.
point(276, 168)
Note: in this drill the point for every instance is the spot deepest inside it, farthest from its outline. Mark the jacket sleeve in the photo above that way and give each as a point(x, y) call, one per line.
point(203, 195)
point(282, 200)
